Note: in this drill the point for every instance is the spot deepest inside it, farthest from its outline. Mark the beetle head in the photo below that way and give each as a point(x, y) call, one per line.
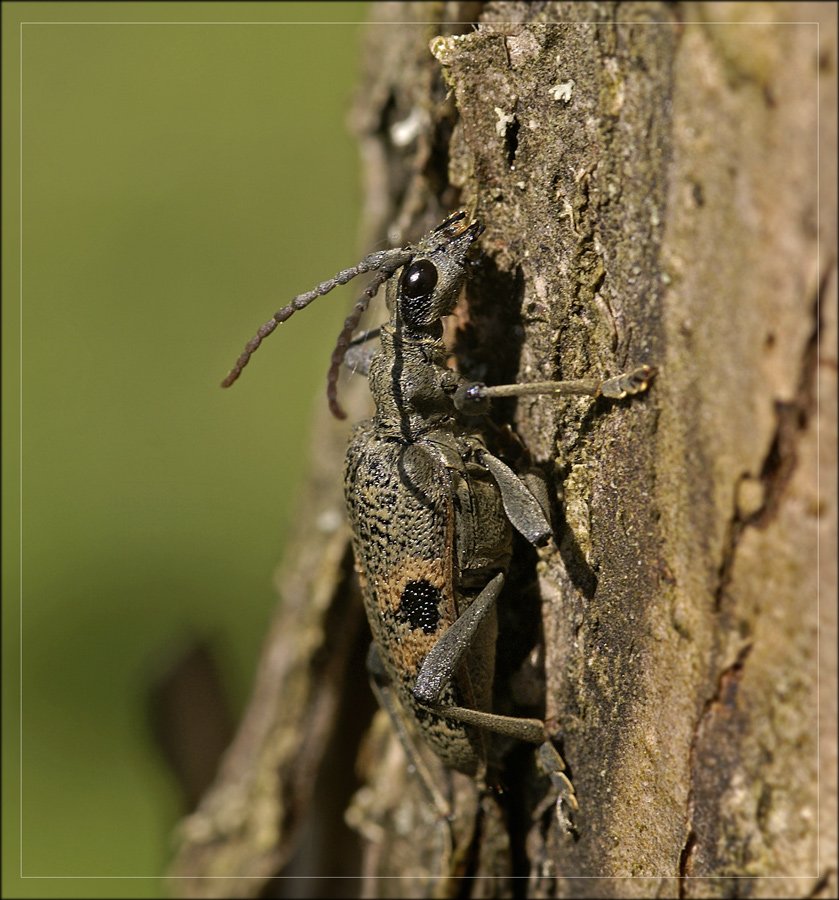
point(429, 284)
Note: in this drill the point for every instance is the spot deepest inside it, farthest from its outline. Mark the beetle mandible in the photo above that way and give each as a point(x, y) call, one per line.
point(431, 509)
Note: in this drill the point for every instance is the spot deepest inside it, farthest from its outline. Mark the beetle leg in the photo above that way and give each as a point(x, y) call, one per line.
point(357, 359)
point(438, 669)
point(566, 799)
point(523, 509)
point(472, 397)
point(441, 662)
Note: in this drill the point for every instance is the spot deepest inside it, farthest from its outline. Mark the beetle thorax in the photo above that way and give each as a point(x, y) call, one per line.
point(411, 384)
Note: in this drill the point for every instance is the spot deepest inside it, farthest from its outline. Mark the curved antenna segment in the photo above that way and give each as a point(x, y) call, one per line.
point(369, 263)
point(397, 259)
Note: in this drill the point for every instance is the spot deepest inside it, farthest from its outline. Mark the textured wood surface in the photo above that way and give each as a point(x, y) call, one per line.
point(648, 177)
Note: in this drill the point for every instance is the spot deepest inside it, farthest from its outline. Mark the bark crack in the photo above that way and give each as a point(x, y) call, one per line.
point(780, 462)
point(726, 689)
point(792, 420)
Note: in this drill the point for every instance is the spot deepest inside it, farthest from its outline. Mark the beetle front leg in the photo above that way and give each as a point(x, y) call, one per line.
point(473, 398)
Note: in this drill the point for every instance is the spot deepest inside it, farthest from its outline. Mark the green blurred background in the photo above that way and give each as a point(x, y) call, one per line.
point(180, 182)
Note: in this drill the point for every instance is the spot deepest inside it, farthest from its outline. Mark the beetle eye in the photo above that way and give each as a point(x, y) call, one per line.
point(419, 280)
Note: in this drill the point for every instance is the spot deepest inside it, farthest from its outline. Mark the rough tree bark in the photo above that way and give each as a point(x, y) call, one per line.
point(647, 174)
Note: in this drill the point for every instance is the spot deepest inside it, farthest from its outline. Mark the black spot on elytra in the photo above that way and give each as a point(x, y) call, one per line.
point(418, 605)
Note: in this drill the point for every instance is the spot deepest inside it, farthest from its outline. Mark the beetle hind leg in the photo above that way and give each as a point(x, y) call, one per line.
point(437, 671)
point(441, 662)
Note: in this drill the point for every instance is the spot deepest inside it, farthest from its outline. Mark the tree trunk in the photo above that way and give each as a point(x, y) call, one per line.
point(648, 177)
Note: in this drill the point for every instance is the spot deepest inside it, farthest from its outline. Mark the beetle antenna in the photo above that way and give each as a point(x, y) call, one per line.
point(397, 260)
point(378, 260)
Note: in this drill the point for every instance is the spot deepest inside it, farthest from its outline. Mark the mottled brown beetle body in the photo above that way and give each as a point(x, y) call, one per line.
point(429, 529)
point(432, 510)
point(429, 532)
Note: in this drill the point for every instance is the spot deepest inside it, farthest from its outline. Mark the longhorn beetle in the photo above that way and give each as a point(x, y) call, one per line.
point(432, 510)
